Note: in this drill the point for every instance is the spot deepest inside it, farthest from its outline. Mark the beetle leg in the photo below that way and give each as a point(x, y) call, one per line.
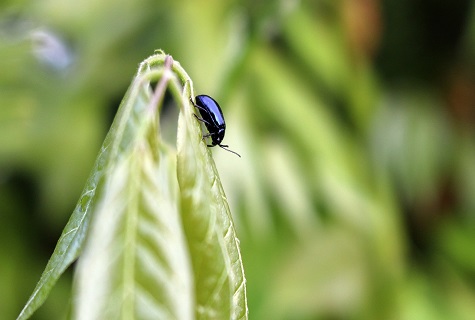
point(207, 136)
point(197, 106)
point(200, 119)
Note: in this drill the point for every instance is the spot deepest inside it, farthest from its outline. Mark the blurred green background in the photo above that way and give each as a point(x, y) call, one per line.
point(355, 119)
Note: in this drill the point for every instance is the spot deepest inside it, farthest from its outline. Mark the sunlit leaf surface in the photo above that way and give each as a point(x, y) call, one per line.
point(159, 240)
point(217, 264)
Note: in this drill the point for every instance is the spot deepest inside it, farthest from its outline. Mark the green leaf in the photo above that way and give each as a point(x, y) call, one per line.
point(158, 234)
point(136, 263)
point(214, 248)
point(72, 239)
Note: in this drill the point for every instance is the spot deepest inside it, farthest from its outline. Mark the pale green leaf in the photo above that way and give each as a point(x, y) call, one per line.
point(214, 248)
point(136, 263)
point(71, 241)
point(161, 243)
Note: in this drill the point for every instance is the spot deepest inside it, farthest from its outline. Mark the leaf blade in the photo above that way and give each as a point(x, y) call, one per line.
point(214, 248)
point(71, 241)
point(129, 269)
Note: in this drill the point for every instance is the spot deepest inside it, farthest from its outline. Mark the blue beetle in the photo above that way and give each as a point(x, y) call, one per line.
point(212, 117)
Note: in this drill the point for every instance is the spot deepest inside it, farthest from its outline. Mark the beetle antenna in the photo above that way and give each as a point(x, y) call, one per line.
point(224, 147)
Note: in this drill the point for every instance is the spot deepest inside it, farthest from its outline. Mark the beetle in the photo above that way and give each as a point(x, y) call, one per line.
point(212, 117)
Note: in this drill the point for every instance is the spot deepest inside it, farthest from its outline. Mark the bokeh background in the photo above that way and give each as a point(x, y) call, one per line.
point(355, 194)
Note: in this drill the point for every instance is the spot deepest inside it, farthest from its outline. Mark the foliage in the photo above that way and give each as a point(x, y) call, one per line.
point(145, 257)
point(354, 196)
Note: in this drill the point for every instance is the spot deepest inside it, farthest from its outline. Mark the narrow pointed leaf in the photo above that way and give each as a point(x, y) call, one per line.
point(135, 264)
point(162, 243)
point(72, 238)
point(214, 248)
